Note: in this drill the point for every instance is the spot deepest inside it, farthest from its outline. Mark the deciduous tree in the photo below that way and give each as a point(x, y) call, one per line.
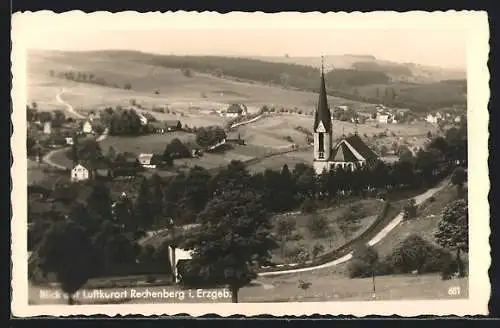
point(453, 229)
point(234, 239)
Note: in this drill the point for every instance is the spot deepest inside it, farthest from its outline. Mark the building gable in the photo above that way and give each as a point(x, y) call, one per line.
point(321, 128)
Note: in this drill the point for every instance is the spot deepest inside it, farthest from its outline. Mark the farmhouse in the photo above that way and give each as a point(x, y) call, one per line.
point(431, 119)
point(157, 127)
point(151, 161)
point(47, 127)
point(145, 160)
point(350, 152)
point(236, 110)
point(87, 127)
point(79, 173)
point(383, 118)
point(69, 141)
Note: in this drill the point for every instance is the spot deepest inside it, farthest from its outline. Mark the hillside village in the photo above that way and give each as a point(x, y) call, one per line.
point(134, 178)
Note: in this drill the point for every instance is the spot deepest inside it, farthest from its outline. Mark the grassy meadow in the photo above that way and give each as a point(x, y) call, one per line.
point(370, 208)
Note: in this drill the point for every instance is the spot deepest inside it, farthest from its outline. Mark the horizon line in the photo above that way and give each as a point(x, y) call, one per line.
point(247, 56)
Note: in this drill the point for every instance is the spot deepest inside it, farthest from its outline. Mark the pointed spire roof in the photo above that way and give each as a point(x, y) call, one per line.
point(323, 116)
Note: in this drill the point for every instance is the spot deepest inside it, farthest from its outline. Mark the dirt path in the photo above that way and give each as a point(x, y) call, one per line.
point(382, 234)
point(69, 108)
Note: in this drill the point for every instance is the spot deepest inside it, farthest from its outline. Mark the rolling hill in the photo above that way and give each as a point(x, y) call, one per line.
point(165, 79)
point(412, 72)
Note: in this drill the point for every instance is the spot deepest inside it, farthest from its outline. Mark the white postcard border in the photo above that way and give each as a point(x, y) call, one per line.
point(475, 24)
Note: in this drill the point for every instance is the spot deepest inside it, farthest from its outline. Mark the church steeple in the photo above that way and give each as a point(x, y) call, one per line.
point(323, 117)
point(322, 128)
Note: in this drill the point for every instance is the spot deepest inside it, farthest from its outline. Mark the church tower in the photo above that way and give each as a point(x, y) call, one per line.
point(322, 129)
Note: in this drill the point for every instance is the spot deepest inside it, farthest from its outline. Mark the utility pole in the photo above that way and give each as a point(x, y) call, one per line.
point(374, 295)
point(173, 247)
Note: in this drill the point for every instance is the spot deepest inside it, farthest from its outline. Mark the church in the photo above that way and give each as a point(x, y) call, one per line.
point(349, 153)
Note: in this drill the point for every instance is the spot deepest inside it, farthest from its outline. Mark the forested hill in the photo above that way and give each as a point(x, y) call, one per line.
point(349, 83)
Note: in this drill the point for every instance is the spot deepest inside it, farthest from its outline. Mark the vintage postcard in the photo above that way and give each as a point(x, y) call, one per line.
point(250, 163)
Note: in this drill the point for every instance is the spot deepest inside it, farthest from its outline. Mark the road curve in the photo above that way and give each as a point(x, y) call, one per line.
point(375, 240)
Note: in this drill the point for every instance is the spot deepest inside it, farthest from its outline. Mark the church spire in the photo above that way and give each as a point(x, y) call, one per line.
point(323, 116)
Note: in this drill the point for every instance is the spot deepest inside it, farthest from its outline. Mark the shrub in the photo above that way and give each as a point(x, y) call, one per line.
point(318, 226)
point(296, 253)
point(365, 262)
point(317, 249)
point(308, 206)
point(359, 269)
point(410, 209)
point(415, 253)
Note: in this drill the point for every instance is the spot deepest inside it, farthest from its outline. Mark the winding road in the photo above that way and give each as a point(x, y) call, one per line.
point(419, 199)
point(47, 159)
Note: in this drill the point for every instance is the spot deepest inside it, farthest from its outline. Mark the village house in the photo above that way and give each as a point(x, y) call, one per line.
point(87, 127)
point(79, 173)
point(236, 110)
point(145, 160)
point(47, 127)
point(157, 127)
point(151, 161)
point(69, 141)
point(350, 152)
point(432, 119)
point(383, 117)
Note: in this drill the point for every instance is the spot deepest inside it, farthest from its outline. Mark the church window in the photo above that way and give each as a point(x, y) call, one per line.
point(321, 141)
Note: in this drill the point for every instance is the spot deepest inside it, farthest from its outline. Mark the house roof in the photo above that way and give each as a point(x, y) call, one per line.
point(172, 123)
point(94, 165)
point(149, 117)
point(352, 149)
point(145, 158)
point(361, 147)
point(157, 125)
point(233, 136)
point(342, 153)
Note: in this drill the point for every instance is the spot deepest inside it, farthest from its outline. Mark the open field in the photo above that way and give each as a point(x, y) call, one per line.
point(176, 91)
point(334, 239)
point(277, 162)
point(334, 288)
point(271, 131)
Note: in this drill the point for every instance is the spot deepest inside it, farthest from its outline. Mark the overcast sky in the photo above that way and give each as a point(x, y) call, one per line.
point(428, 40)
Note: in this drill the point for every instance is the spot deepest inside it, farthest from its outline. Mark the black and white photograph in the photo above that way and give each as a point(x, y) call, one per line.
point(314, 160)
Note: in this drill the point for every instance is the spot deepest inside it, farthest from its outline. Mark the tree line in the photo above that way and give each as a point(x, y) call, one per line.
point(87, 77)
point(340, 82)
